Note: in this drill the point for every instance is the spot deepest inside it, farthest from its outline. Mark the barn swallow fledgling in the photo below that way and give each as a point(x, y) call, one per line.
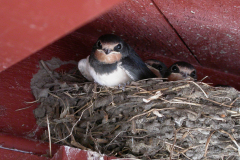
point(113, 62)
point(181, 71)
point(157, 67)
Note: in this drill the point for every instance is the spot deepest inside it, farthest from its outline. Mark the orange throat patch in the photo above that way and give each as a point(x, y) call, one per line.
point(177, 77)
point(108, 59)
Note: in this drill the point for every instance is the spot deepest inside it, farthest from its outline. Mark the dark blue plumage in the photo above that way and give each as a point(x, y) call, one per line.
point(160, 66)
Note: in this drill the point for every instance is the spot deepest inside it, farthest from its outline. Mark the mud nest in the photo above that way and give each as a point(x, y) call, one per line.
point(149, 119)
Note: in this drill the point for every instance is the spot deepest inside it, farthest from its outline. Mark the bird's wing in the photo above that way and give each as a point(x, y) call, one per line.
point(155, 71)
point(135, 67)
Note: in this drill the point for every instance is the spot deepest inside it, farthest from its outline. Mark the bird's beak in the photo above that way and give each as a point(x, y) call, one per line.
point(185, 75)
point(106, 50)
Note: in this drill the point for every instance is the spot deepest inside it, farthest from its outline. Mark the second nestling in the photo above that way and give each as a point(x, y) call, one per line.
point(181, 71)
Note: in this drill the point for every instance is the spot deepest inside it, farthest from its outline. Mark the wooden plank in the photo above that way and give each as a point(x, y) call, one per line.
point(27, 26)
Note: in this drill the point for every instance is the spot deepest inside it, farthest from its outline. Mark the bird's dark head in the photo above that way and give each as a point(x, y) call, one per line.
point(181, 71)
point(160, 66)
point(109, 48)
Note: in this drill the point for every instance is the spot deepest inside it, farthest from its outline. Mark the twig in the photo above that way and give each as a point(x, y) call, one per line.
point(156, 96)
point(234, 101)
point(150, 112)
point(203, 78)
point(33, 101)
point(230, 146)
point(186, 156)
point(199, 88)
point(114, 138)
point(23, 108)
point(57, 98)
point(81, 108)
point(144, 91)
point(115, 129)
point(174, 145)
point(73, 141)
point(231, 137)
point(68, 94)
point(66, 108)
point(75, 124)
point(181, 102)
point(194, 113)
point(236, 115)
point(95, 88)
point(96, 144)
point(223, 98)
point(215, 118)
point(185, 150)
point(218, 103)
point(161, 89)
point(175, 139)
point(232, 112)
point(180, 87)
point(49, 137)
point(207, 143)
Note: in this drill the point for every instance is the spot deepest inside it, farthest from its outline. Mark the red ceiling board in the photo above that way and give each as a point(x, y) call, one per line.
point(27, 26)
point(211, 29)
point(10, 155)
point(29, 146)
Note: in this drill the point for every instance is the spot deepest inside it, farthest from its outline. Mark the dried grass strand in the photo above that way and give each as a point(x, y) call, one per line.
point(75, 123)
point(49, 138)
point(150, 112)
point(114, 138)
point(200, 88)
point(234, 141)
point(234, 101)
point(207, 143)
point(221, 104)
point(23, 108)
point(32, 101)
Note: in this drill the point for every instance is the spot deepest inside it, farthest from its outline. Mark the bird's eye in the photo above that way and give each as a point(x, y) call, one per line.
point(175, 69)
point(99, 45)
point(119, 46)
point(193, 74)
point(160, 68)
